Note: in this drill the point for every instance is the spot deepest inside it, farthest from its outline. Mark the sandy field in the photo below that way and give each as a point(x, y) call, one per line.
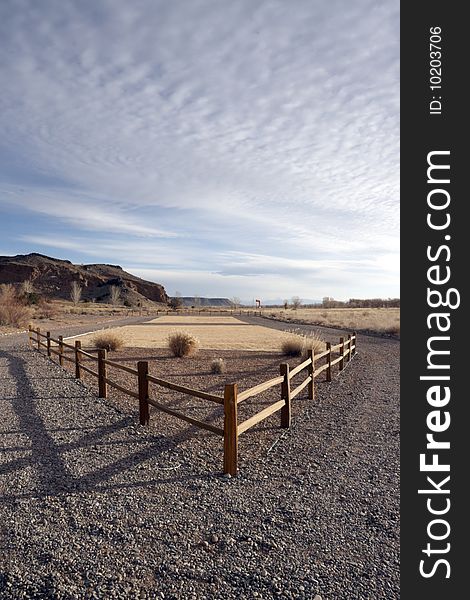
point(378, 320)
point(214, 333)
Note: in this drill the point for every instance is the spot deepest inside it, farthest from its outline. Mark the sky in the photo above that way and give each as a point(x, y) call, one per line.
point(222, 148)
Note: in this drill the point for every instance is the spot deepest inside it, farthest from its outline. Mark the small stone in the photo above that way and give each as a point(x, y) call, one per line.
point(214, 538)
point(318, 597)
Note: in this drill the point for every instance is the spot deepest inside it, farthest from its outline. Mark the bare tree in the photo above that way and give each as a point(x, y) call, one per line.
point(27, 287)
point(235, 302)
point(75, 292)
point(286, 304)
point(176, 302)
point(296, 302)
point(114, 295)
point(197, 301)
point(7, 293)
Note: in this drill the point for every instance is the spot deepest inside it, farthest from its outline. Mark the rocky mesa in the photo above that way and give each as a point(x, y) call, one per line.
point(53, 278)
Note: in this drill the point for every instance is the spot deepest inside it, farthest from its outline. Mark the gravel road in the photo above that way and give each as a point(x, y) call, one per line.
point(95, 506)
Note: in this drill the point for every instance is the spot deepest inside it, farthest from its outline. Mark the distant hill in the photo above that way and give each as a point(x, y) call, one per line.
point(53, 278)
point(199, 302)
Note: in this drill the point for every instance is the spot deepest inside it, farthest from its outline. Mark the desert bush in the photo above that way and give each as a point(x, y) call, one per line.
point(218, 366)
point(313, 342)
point(31, 298)
point(176, 303)
point(7, 293)
point(12, 311)
point(46, 310)
point(14, 314)
point(292, 346)
point(182, 343)
point(299, 345)
point(108, 341)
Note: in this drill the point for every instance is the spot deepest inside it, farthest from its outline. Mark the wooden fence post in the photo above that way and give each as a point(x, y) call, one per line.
point(230, 429)
point(78, 358)
point(38, 332)
point(311, 371)
point(286, 414)
point(61, 351)
point(328, 356)
point(102, 386)
point(48, 342)
point(341, 349)
point(144, 413)
point(348, 353)
point(355, 342)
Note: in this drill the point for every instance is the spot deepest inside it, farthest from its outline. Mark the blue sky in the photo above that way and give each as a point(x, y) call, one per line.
point(222, 148)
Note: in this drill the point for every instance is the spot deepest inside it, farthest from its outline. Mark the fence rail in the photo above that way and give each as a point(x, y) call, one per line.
point(232, 429)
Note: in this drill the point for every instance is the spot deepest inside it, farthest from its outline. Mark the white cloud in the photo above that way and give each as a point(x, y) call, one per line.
point(228, 127)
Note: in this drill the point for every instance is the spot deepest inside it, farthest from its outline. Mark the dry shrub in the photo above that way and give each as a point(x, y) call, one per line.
point(12, 311)
point(46, 310)
point(218, 366)
point(292, 346)
point(8, 294)
point(393, 330)
point(313, 342)
point(108, 341)
point(299, 345)
point(14, 314)
point(182, 343)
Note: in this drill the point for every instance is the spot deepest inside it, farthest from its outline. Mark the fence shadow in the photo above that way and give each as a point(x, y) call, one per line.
point(46, 458)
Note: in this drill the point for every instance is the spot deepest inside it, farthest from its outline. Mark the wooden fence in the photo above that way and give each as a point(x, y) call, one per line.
point(339, 354)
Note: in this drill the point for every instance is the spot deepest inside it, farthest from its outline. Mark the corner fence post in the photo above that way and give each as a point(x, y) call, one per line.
point(355, 342)
point(102, 386)
point(328, 356)
point(61, 350)
point(78, 357)
point(144, 413)
point(341, 350)
point(311, 371)
point(285, 395)
point(230, 429)
point(38, 334)
point(48, 342)
point(348, 353)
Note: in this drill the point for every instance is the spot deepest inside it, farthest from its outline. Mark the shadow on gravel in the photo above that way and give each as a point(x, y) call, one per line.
point(51, 477)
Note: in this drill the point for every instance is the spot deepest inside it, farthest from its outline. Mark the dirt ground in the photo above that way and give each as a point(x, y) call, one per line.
point(95, 505)
point(214, 333)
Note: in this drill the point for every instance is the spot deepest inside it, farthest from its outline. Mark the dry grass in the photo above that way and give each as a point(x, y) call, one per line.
point(183, 343)
point(298, 345)
point(218, 366)
point(13, 312)
point(379, 320)
point(45, 310)
point(14, 315)
point(108, 341)
point(292, 346)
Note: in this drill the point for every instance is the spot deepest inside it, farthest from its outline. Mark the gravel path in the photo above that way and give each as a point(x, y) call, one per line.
point(94, 506)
